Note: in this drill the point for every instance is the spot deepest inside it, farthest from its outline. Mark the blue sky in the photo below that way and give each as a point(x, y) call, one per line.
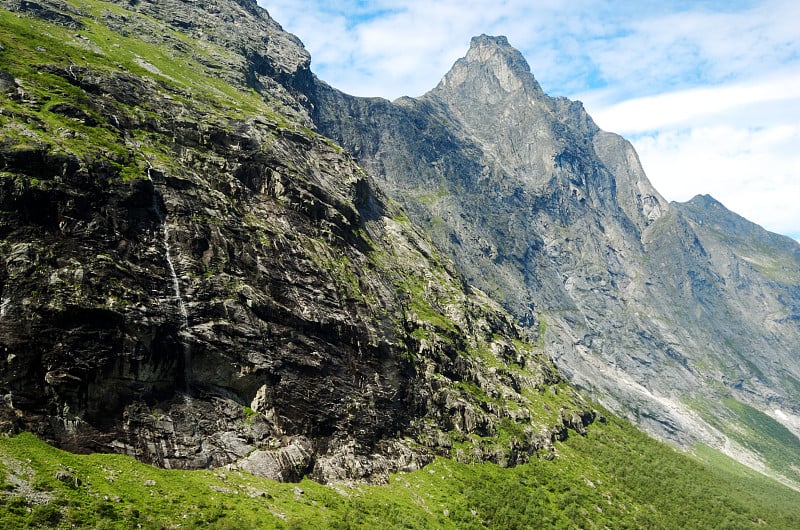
point(708, 91)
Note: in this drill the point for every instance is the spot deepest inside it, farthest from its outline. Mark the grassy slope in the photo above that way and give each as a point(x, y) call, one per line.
point(754, 430)
point(29, 44)
point(615, 477)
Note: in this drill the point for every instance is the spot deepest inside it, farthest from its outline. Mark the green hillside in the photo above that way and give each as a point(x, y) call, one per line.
point(614, 477)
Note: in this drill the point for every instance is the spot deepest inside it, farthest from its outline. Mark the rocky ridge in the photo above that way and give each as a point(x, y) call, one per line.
point(191, 275)
point(678, 316)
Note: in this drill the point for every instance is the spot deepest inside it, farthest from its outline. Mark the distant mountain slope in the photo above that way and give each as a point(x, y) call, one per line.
point(679, 316)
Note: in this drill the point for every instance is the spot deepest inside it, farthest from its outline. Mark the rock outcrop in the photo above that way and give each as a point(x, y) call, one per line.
point(191, 275)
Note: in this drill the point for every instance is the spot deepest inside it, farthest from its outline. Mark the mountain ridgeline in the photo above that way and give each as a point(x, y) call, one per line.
point(209, 257)
point(678, 316)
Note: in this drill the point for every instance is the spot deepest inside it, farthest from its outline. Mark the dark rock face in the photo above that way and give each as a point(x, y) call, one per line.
point(190, 275)
point(653, 307)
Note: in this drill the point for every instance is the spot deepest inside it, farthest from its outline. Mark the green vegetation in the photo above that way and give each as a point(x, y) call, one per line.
point(614, 477)
point(758, 432)
point(53, 110)
point(541, 331)
point(767, 437)
point(433, 197)
point(249, 414)
point(171, 59)
point(749, 485)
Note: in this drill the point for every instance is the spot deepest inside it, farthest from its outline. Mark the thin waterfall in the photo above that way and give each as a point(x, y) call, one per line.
point(176, 286)
point(183, 333)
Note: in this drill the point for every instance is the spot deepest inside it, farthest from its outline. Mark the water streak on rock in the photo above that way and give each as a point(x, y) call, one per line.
point(176, 289)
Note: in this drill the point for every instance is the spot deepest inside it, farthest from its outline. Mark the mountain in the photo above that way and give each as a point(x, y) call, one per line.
point(194, 277)
point(682, 317)
point(213, 262)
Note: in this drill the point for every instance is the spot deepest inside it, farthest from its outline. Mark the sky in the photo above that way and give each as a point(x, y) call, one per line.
point(707, 91)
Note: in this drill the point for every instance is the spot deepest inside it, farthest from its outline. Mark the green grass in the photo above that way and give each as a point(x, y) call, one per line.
point(767, 437)
point(756, 431)
point(679, 493)
point(35, 49)
point(748, 485)
point(614, 477)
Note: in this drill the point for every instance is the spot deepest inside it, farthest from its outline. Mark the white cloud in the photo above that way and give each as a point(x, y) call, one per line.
point(738, 142)
point(669, 109)
point(737, 165)
point(686, 48)
point(708, 91)
point(404, 47)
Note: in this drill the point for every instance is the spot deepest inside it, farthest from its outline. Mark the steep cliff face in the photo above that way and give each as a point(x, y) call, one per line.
point(190, 275)
point(675, 315)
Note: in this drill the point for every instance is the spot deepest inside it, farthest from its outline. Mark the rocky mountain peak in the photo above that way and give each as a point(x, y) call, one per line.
point(192, 274)
point(705, 201)
point(491, 64)
point(708, 212)
point(658, 309)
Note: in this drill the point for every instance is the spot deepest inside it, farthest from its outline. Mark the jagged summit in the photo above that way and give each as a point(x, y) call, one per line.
point(489, 40)
point(707, 211)
point(489, 144)
point(491, 64)
point(704, 209)
point(705, 200)
point(535, 140)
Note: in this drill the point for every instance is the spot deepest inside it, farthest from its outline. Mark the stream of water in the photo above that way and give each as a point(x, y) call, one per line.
point(183, 333)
